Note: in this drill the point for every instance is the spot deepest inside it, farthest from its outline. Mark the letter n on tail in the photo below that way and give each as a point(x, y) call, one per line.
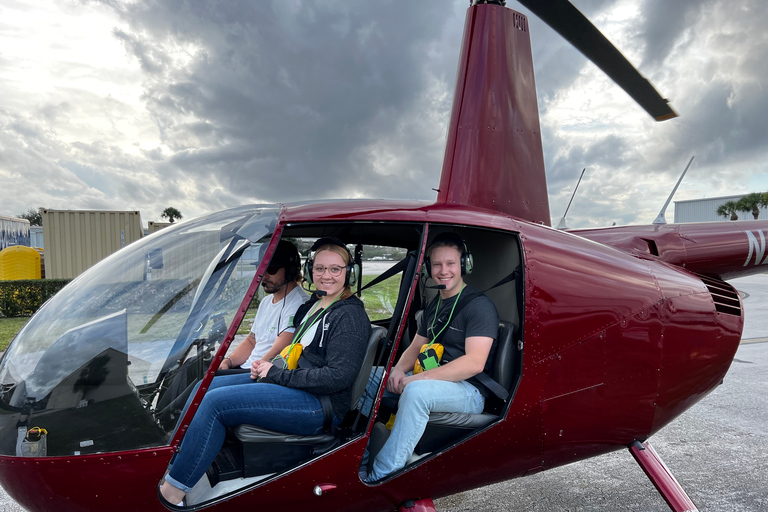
point(757, 247)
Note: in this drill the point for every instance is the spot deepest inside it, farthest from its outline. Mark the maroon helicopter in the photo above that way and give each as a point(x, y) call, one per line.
point(606, 335)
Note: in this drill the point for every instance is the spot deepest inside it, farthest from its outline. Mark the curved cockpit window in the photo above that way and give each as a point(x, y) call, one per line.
point(108, 362)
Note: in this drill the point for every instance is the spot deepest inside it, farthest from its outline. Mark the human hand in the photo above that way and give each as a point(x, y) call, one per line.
point(226, 364)
point(394, 383)
point(408, 379)
point(260, 369)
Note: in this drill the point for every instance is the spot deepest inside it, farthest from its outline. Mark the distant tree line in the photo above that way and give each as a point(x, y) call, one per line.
point(34, 216)
point(750, 203)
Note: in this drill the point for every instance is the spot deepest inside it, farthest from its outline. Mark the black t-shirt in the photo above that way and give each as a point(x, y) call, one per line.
point(478, 318)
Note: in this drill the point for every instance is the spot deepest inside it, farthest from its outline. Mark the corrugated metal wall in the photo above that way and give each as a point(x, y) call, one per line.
point(77, 239)
point(13, 231)
point(705, 210)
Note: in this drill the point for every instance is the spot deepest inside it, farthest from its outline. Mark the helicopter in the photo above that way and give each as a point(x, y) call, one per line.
point(606, 335)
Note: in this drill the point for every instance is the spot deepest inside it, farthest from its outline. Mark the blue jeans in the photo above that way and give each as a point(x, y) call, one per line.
point(419, 399)
point(230, 401)
point(217, 382)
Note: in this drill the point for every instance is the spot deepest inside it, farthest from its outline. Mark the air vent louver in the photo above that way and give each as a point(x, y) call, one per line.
point(724, 295)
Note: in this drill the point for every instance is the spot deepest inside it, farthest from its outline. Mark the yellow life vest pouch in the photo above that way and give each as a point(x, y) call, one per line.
point(429, 357)
point(290, 355)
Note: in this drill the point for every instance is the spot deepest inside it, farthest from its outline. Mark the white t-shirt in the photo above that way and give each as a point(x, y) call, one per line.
point(271, 320)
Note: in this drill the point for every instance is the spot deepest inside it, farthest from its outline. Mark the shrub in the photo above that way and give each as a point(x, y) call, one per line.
point(24, 296)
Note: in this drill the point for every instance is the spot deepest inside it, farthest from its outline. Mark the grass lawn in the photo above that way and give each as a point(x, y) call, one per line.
point(381, 299)
point(8, 329)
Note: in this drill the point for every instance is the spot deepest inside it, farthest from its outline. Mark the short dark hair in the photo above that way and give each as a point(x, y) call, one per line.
point(447, 239)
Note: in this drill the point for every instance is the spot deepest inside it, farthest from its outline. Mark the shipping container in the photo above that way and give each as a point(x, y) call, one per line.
point(13, 231)
point(153, 226)
point(77, 239)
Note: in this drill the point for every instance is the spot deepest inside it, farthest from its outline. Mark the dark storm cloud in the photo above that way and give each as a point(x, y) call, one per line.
point(664, 23)
point(722, 100)
point(243, 101)
point(260, 98)
point(151, 60)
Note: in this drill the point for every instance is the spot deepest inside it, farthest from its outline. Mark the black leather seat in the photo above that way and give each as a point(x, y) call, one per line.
point(266, 451)
point(444, 427)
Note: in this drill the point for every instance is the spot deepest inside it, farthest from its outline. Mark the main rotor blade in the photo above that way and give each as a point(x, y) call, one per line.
point(567, 21)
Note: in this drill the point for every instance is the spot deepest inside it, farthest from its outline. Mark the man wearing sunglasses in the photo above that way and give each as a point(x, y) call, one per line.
point(273, 325)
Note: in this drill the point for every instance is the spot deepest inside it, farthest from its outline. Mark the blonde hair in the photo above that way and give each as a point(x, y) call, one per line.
point(345, 255)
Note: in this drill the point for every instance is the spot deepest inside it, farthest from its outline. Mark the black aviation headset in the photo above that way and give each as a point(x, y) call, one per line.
point(452, 239)
point(287, 257)
point(293, 268)
point(352, 269)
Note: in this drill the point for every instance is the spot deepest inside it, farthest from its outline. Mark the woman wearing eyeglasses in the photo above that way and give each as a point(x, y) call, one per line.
point(334, 330)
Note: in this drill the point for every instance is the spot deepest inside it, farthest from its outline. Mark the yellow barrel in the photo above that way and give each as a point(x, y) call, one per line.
point(19, 262)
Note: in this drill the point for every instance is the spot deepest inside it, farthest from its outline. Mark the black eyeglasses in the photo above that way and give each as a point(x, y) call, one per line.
point(272, 269)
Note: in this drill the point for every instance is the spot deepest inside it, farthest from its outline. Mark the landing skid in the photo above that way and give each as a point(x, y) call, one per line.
point(661, 477)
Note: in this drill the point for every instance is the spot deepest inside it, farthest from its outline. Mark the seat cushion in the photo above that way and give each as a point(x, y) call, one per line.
point(460, 420)
point(254, 434)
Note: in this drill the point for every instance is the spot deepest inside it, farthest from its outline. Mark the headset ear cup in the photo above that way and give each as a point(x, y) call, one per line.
point(308, 270)
point(469, 264)
point(427, 267)
point(352, 272)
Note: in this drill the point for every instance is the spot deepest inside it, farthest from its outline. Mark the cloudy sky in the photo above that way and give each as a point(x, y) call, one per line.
point(201, 105)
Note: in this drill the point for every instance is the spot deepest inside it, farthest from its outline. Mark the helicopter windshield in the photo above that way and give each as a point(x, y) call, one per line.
point(104, 364)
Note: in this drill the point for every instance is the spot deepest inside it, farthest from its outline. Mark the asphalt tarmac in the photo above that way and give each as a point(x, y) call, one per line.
point(717, 450)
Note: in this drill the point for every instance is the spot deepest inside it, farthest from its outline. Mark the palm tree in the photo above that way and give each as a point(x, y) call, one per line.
point(764, 200)
point(729, 209)
point(171, 214)
point(750, 203)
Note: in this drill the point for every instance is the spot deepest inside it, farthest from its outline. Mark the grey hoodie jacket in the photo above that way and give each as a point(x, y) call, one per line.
point(336, 353)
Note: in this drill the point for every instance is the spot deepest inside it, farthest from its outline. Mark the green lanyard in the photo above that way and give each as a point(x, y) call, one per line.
point(437, 309)
point(303, 328)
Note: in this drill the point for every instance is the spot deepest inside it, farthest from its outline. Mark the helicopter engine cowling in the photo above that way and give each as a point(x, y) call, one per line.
point(620, 344)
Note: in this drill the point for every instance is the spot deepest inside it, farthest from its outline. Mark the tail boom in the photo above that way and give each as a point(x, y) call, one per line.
point(725, 250)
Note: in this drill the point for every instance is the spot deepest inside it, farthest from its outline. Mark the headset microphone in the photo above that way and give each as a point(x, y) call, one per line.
point(319, 293)
point(438, 287)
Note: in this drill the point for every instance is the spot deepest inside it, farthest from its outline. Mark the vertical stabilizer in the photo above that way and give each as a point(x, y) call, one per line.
point(493, 155)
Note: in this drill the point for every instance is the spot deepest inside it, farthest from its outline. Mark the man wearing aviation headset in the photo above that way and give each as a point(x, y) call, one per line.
point(450, 385)
point(272, 329)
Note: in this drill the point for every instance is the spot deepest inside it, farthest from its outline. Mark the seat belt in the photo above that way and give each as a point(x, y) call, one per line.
point(394, 269)
point(510, 277)
point(493, 386)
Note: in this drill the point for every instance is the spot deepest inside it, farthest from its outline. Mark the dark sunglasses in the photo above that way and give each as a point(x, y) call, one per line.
point(272, 269)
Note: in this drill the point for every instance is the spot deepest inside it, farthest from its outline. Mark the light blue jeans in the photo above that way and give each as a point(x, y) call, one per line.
point(417, 401)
